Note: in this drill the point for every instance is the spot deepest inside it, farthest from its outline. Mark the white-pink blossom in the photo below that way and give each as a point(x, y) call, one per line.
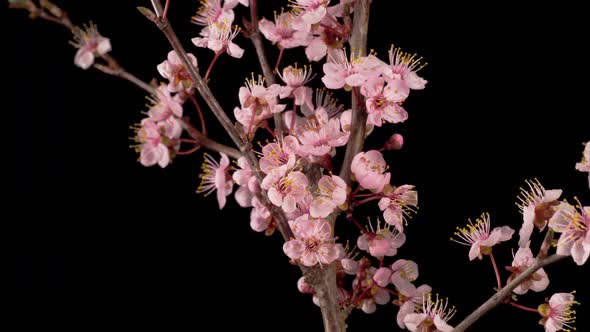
point(220, 39)
point(574, 226)
point(282, 31)
point(381, 241)
point(331, 192)
point(214, 177)
point(537, 206)
point(398, 206)
point(403, 67)
point(369, 169)
point(313, 243)
point(296, 78)
point(558, 313)
point(433, 317)
point(285, 190)
point(523, 259)
point(478, 236)
point(90, 44)
point(341, 71)
point(173, 70)
point(279, 156)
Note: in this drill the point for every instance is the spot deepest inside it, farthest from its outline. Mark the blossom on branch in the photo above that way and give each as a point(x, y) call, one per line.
point(478, 236)
point(90, 44)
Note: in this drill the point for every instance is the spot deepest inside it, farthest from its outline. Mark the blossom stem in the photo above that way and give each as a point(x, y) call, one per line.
point(122, 73)
point(391, 291)
point(254, 33)
point(166, 6)
point(498, 280)
point(186, 140)
point(184, 153)
point(282, 50)
point(200, 112)
point(501, 295)
point(209, 143)
point(516, 305)
point(360, 297)
point(356, 223)
point(217, 54)
point(366, 200)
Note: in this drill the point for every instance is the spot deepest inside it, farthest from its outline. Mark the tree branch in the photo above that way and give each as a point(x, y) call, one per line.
point(122, 73)
point(358, 44)
point(269, 76)
point(238, 138)
point(501, 295)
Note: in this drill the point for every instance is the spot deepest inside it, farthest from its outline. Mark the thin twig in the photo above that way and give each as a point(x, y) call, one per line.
point(496, 272)
point(201, 116)
point(122, 73)
point(501, 295)
point(269, 76)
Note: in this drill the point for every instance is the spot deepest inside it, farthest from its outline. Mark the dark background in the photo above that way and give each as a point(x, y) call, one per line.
point(96, 240)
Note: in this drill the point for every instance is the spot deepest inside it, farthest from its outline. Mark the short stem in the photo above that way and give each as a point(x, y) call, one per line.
point(200, 112)
point(366, 200)
point(187, 140)
point(356, 223)
point(391, 291)
point(516, 305)
point(360, 297)
point(498, 280)
point(184, 153)
point(217, 54)
point(166, 9)
point(282, 50)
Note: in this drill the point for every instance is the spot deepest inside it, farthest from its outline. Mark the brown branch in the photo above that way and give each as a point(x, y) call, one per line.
point(501, 295)
point(239, 139)
point(358, 44)
point(269, 76)
point(122, 73)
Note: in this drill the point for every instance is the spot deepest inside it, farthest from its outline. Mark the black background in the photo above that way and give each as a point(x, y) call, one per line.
point(97, 240)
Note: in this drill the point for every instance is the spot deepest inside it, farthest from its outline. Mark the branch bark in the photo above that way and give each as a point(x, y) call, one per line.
point(122, 73)
point(266, 69)
point(238, 138)
point(358, 44)
point(501, 295)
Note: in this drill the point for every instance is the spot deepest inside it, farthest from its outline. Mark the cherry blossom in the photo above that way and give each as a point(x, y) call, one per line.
point(279, 156)
point(282, 31)
point(574, 224)
point(313, 243)
point(382, 241)
point(558, 313)
point(433, 317)
point(296, 78)
point(523, 259)
point(220, 39)
point(214, 177)
point(90, 44)
point(403, 67)
point(341, 71)
point(369, 169)
point(164, 105)
point(537, 206)
point(382, 102)
point(173, 70)
point(409, 302)
point(478, 236)
point(331, 192)
point(398, 205)
point(285, 190)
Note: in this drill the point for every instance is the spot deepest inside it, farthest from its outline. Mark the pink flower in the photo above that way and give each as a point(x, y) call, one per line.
point(152, 149)
point(213, 11)
point(408, 303)
point(320, 134)
point(89, 44)
point(310, 11)
point(523, 259)
point(220, 39)
point(258, 222)
point(340, 71)
point(537, 206)
point(381, 242)
point(395, 142)
point(399, 205)
point(584, 165)
point(403, 67)
point(296, 78)
point(285, 190)
point(433, 318)
point(304, 287)
point(404, 272)
point(313, 244)
point(164, 105)
point(369, 169)
point(373, 293)
point(383, 102)
point(245, 177)
point(480, 239)
point(260, 98)
point(381, 277)
point(215, 177)
point(173, 70)
point(331, 193)
point(233, 3)
point(558, 313)
point(575, 228)
point(350, 266)
point(282, 31)
point(302, 207)
point(279, 156)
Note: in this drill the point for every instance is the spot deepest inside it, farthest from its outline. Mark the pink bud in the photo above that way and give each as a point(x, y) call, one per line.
point(304, 287)
point(395, 142)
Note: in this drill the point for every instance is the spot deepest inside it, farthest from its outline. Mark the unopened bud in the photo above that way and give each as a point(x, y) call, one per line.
point(395, 142)
point(52, 8)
